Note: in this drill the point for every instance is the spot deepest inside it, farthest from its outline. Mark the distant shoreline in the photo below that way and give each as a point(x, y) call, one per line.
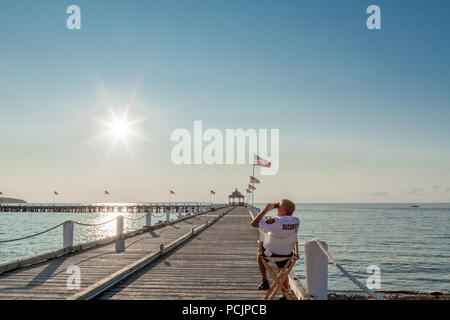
point(11, 200)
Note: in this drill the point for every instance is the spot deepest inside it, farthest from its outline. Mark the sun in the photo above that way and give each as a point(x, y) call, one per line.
point(120, 128)
point(121, 131)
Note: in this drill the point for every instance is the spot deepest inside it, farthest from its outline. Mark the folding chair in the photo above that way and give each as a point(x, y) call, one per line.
point(279, 276)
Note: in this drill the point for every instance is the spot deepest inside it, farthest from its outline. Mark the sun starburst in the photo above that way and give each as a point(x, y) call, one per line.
point(121, 128)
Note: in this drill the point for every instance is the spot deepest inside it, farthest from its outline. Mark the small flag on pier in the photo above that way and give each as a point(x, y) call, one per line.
point(171, 192)
point(56, 193)
point(212, 192)
point(254, 180)
point(106, 192)
point(248, 191)
point(251, 187)
point(261, 162)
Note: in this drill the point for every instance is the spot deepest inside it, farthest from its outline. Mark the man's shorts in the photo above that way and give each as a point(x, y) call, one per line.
point(280, 264)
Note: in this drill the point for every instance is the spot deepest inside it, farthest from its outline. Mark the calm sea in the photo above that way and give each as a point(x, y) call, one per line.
point(410, 245)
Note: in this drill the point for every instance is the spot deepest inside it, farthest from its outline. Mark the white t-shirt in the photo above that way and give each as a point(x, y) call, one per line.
point(283, 227)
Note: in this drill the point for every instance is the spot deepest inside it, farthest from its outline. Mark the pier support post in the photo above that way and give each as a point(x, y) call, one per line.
point(167, 214)
point(120, 241)
point(148, 219)
point(180, 212)
point(68, 234)
point(316, 264)
point(189, 211)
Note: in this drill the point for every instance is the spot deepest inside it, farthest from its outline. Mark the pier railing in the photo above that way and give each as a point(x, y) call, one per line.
point(183, 212)
point(316, 273)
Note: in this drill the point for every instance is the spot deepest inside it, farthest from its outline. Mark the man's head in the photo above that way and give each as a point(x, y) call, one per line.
point(285, 208)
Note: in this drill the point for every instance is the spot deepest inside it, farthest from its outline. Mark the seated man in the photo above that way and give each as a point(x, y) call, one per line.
point(281, 227)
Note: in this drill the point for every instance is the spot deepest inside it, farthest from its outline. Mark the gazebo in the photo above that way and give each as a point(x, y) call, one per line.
point(236, 195)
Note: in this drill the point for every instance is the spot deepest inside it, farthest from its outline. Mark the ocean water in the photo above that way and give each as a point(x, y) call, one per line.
point(15, 225)
point(409, 245)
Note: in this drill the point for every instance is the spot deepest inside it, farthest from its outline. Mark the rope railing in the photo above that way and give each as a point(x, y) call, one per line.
point(52, 228)
point(135, 219)
point(94, 224)
point(33, 235)
point(80, 224)
point(158, 215)
point(347, 274)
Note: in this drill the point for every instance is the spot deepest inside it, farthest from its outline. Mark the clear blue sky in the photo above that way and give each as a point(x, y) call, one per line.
point(363, 115)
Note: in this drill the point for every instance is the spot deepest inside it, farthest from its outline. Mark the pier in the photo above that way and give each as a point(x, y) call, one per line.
point(208, 255)
point(100, 207)
point(203, 253)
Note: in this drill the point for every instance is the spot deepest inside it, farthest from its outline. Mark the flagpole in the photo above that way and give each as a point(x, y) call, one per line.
point(253, 184)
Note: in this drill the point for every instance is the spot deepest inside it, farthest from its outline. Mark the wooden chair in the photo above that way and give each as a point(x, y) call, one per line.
point(279, 275)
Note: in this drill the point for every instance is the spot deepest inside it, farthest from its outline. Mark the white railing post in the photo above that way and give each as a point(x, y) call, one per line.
point(316, 264)
point(148, 219)
point(120, 241)
point(168, 214)
point(68, 234)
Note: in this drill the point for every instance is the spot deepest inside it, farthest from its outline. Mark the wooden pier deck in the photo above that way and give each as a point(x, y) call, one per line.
point(217, 263)
point(47, 280)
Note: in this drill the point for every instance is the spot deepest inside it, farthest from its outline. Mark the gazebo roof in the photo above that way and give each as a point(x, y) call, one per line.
point(236, 194)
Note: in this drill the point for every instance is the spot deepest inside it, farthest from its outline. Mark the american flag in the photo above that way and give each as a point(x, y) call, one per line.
point(171, 192)
point(251, 187)
point(248, 191)
point(106, 192)
point(261, 162)
point(213, 192)
point(56, 193)
point(254, 180)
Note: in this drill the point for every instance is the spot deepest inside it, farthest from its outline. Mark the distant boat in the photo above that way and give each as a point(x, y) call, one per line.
point(415, 206)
